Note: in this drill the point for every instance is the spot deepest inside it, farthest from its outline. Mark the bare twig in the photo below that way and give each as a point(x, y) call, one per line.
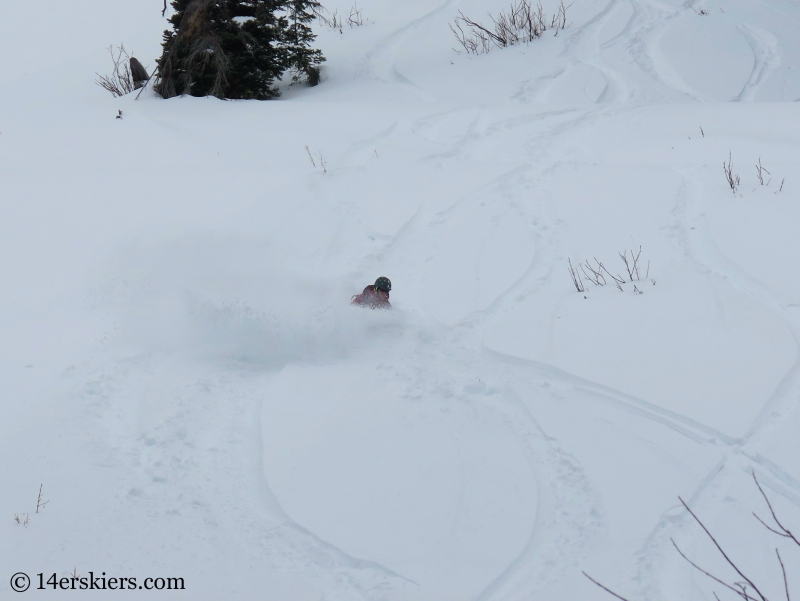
point(39, 503)
point(597, 278)
point(631, 267)
point(760, 171)
point(576, 277)
point(784, 532)
point(733, 179)
point(697, 567)
point(333, 21)
point(725, 555)
point(354, 19)
point(310, 156)
point(783, 570)
point(604, 588)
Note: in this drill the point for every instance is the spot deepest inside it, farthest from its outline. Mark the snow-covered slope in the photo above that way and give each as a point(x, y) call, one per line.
point(182, 373)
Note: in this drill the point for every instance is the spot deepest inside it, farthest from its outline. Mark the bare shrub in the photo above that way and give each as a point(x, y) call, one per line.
point(596, 273)
point(521, 23)
point(355, 18)
point(576, 278)
point(730, 176)
point(322, 162)
point(760, 171)
point(632, 264)
point(120, 81)
point(328, 19)
point(39, 502)
point(334, 20)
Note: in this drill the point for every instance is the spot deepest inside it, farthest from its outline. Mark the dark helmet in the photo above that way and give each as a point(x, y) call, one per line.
point(383, 283)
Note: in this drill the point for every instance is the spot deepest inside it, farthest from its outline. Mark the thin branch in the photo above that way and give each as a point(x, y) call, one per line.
point(785, 532)
point(604, 588)
point(39, 503)
point(576, 277)
point(730, 176)
point(618, 279)
point(719, 548)
point(760, 171)
point(785, 582)
point(697, 567)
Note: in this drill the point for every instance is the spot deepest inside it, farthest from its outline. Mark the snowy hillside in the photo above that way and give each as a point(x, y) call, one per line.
point(181, 372)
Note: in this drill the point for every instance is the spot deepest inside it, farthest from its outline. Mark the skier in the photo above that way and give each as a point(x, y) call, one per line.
point(375, 296)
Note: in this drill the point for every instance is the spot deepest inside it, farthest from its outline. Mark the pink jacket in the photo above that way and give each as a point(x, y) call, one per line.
point(372, 298)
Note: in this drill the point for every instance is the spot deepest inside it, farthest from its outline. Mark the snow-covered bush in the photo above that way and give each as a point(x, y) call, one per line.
point(522, 23)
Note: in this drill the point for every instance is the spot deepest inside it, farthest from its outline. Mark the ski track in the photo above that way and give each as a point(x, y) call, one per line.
point(382, 60)
point(766, 59)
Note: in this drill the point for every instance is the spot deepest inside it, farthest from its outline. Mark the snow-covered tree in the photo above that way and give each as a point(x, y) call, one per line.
point(234, 48)
point(299, 37)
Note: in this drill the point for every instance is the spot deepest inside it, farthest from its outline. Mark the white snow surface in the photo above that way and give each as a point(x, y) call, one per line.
point(181, 372)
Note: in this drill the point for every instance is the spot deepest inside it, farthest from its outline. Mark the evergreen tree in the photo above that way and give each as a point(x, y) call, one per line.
point(304, 59)
point(234, 48)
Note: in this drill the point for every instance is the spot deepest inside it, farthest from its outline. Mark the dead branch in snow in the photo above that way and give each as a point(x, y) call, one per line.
point(733, 179)
point(596, 273)
point(332, 20)
point(781, 530)
point(521, 23)
point(608, 590)
point(597, 278)
point(739, 587)
point(617, 278)
point(355, 19)
point(39, 503)
point(760, 171)
point(559, 21)
point(576, 278)
point(746, 588)
point(310, 156)
point(632, 265)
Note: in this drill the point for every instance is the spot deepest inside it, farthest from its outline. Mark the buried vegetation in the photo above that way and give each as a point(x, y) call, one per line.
point(521, 23)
